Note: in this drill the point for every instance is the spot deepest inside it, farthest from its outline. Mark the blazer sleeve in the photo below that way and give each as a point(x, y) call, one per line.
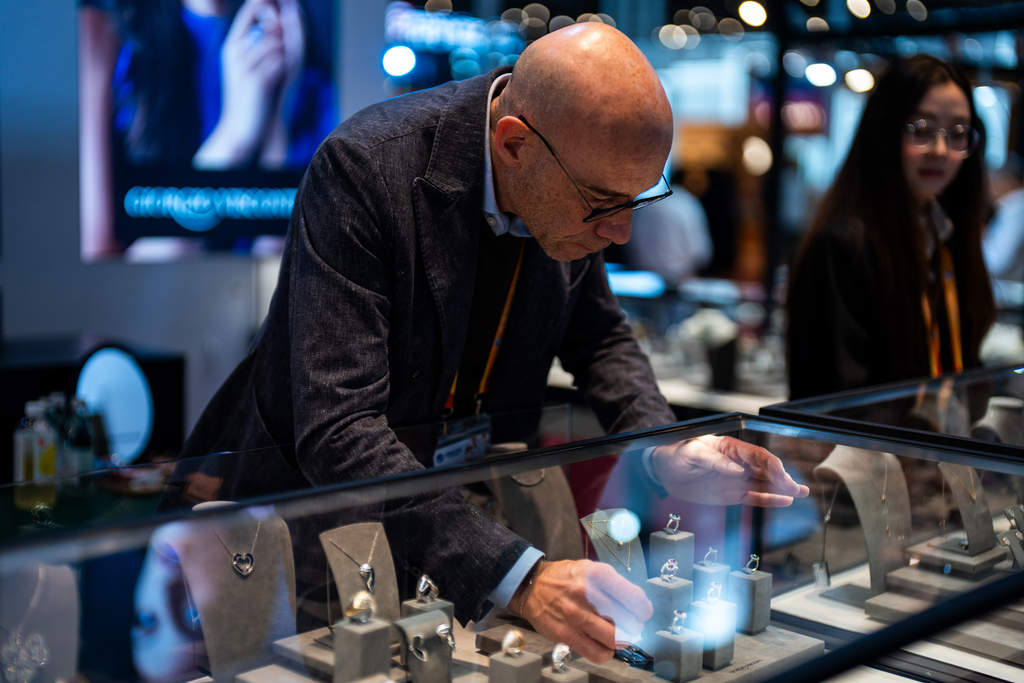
point(609, 368)
point(340, 292)
point(829, 335)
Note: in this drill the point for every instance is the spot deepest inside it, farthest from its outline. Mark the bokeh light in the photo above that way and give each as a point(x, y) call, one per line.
point(399, 60)
point(794, 63)
point(623, 526)
point(753, 13)
point(671, 36)
point(730, 29)
point(859, 8)
point(757, 156)
point(859, 80)
point(817, 24)
point(560, 22)
point(886, 6)
point(917, 9)
point(821, 74)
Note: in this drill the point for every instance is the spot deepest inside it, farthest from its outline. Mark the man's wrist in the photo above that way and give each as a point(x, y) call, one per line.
point(523, 592)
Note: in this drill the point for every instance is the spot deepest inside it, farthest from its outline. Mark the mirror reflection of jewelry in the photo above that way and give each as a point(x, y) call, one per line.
point(513, 643)
point(673, 523)
point(243, 563)
point(444, 632)
point(560, 657)
point(713, 554)
point(677, 622)
point(714, 593)
point(426, 590)
point(752, 566)
point(21, 656)
point(668, 571)
point(362, 607)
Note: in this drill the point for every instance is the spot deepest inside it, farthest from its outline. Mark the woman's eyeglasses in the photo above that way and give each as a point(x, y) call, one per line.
point(961, 140)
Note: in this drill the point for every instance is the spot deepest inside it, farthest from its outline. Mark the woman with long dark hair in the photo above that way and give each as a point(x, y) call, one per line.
point(889, 282)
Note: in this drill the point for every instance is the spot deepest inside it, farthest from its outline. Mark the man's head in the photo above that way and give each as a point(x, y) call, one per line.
point(597, 101)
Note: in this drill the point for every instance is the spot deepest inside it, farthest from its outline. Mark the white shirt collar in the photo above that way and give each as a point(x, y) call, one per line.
point(499, 222)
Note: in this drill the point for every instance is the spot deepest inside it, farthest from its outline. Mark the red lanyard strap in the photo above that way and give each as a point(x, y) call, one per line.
point(952, 312)
point(449, 404)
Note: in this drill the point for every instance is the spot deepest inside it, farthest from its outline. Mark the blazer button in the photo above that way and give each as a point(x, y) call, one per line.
point(415, 376)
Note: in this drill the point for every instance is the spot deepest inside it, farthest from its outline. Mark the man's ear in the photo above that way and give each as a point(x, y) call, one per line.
point(510, 141)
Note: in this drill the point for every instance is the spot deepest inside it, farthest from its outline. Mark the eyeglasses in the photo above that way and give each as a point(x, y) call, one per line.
point(961, 141)
point(643, 199)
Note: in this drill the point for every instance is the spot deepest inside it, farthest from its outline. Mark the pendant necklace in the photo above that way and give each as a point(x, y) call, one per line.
point(242, 562)
point(23, 657)
point(970, 492)
point(366, 568)
point(603, 534)
point(822, 576)
point(881, 492)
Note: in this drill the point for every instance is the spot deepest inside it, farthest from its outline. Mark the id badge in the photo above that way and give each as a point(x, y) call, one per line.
point(462, 440)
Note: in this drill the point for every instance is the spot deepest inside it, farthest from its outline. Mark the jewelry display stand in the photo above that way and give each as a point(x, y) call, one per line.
point(626, 557)
point(879, 490)
point(427, 600)
point(426, 655)
point(667, 597)
point(361, 650)
point(566, 675)
point(1003, 422)
point(541, 509)
point(671, 544)
point(240, 574)
point(349, 547)
point(965, 485)
point(678, 657)
point(706, 574)
point(716, 621)
point(751, 592)
point(521, 668)
point(39, 604)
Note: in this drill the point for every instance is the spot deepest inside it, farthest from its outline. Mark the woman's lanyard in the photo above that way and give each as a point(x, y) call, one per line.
point(449, 405)
point(952, 312)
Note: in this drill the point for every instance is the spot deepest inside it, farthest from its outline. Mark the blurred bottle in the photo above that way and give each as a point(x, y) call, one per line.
point(78, 456)
point(41, 485)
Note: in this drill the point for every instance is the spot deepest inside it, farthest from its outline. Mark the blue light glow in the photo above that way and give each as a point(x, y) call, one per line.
point(399, 60)
point(623, 526)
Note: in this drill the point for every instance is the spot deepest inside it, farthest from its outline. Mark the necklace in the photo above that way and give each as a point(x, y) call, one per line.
point(881, 492)
point(23, 657)
point(604, 534)
point(365, 569)
point(822, 576)
point(970, 492)
point(242, 562)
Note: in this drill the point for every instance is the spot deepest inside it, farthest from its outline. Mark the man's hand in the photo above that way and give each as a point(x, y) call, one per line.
point(585, 605)
point(722, 470)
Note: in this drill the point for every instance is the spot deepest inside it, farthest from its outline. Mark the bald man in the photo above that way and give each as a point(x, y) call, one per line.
point(420, 222)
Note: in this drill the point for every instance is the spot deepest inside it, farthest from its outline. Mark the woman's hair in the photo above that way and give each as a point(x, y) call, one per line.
point(872, 196)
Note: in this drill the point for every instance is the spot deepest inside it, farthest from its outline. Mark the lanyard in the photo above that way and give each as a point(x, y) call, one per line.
point(953, 313)
point(449, 405)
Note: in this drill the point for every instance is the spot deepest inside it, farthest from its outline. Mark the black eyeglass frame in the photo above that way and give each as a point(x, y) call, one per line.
point(598, 214)
point(973, 137)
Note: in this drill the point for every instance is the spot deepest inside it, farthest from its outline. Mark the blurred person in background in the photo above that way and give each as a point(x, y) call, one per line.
point(1003, 244)
point(671, 238)
point(889, 282)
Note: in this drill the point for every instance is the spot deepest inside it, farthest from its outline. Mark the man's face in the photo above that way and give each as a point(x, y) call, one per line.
point(553, 209)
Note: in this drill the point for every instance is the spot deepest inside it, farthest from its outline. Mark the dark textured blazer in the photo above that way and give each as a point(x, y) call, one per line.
point(366, 329)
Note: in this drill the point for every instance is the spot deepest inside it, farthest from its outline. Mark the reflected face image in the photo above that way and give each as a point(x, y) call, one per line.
point(162, 632)
point(931, 160)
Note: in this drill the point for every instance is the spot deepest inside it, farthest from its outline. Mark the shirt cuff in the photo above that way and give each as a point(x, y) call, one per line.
point(502, 595)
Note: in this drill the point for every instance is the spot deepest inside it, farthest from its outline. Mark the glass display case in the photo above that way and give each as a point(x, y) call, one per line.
point(902, 555)
point(978, 410)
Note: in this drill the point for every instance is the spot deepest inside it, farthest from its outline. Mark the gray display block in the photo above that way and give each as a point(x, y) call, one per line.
point(752, 595)
point(274, 673)
point(931, 554)
point(665, 546)
point(717, 622)
point(703, 576)
point(420, 631)
point(678, 657)
point(892, 607)
point(411, 607)
point(667, 597)
point(570, 675)
point(361, 650)
point(932, 585)
point(757, 658)
point(521, 668)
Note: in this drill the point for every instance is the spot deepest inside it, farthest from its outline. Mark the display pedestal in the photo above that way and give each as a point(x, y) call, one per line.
point(935, 586)
point(756, 658)
point(678, 657)
point(420, 632)
point(667, 546)
point(704, 576)
point(413, 607)
point(717, 622)
point(667, 597)
point(54, 616)
point(603, 528)
point(965, 485)
point(932, 555)
point(522, 668)
point(361, 650)
point(360, 541)
point(752, 595)
point(570, 675)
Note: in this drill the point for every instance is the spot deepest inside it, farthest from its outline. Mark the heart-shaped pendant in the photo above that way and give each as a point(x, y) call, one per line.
point(242, 562)
point(366, 571)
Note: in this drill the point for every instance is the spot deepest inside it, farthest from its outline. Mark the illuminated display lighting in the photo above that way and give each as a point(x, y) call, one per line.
point(859, 8)
point(753, 13)
point(821, 75)
point(859, 80)
point(399, 60)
